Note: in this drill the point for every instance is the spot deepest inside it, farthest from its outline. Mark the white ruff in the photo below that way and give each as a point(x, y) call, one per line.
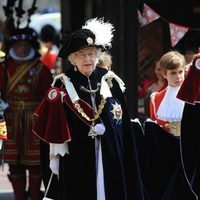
point(16, 57)
point(171, 108)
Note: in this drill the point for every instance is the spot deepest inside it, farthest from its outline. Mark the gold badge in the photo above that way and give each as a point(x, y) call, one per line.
point(3, 130)
point(117, 111)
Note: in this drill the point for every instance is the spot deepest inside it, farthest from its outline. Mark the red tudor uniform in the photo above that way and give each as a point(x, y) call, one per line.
point(26, 85)
point(169, 116)
point(156, 99)
point(23, 82)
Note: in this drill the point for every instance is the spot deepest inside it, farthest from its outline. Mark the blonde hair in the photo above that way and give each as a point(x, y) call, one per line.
point(172, 60)
point(105, 60)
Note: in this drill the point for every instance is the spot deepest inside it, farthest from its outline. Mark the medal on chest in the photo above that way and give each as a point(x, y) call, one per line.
point(117, 111)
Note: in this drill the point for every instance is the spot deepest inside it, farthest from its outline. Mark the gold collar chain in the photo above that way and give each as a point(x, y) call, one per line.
point(96, 115)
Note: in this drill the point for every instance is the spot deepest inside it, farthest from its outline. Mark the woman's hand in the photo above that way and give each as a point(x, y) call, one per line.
point(100, 129)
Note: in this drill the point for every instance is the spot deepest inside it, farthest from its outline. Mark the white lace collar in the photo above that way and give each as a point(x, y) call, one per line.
point(16, 57)
point(171, 108)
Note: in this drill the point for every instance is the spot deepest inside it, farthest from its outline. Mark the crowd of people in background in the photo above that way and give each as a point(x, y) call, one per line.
point(148, 86)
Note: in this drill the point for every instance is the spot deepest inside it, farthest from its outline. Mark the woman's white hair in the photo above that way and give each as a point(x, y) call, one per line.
point(72, 55)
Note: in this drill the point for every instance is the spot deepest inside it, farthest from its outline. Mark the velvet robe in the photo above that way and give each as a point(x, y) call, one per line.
point(163, 174)
point(77, 177)
point(190, 145)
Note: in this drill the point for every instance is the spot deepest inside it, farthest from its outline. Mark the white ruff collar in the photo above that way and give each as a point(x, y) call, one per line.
point(16, 57)
point(171, 108)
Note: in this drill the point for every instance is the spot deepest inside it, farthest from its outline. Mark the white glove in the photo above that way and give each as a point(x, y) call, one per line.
point(100, 129)
point(54, 165)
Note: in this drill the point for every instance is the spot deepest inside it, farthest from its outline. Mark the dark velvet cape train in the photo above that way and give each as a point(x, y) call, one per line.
point(190, 134)
point(160, 162)
point(190, 145)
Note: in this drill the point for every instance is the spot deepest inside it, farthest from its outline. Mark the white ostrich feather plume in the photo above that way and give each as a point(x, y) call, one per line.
point(103, 31)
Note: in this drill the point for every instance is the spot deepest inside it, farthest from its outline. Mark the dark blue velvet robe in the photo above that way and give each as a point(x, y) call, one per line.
point(163, 174)
point(122, 178)
point(190, 145)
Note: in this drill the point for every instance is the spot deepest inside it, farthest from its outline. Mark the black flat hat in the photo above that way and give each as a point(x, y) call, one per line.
point(78, 40)
point(95, 33)
point(24, 34)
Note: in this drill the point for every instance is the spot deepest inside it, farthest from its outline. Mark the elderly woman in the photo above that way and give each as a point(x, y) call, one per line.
point(92, 146)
